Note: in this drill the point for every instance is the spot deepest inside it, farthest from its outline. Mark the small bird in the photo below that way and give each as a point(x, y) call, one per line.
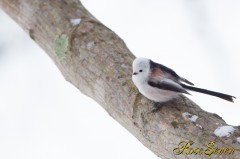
point(160, 83)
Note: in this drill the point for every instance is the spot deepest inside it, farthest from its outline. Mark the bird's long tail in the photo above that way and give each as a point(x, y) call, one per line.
point(205, 91)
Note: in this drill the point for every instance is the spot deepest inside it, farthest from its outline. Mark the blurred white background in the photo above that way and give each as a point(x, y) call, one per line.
point(42, 116)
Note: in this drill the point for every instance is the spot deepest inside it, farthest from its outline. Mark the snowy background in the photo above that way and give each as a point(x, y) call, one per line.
point(44, 117)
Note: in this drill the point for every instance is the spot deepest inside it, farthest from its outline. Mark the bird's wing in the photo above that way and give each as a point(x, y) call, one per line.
point(167, 84)
point(186, 81)
point(167, 72)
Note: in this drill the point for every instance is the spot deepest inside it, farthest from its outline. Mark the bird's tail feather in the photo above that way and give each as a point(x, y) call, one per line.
point(205, 91)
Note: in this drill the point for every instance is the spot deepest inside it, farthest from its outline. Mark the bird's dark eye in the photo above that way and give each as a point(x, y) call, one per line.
point(140, 70)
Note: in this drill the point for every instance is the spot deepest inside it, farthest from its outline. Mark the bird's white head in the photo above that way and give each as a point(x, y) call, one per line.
point(141, 70)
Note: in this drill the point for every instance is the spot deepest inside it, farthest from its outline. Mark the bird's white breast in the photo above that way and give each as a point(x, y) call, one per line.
point(154, 93)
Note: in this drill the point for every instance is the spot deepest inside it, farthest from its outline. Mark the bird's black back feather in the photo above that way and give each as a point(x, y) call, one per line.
point(163, 68)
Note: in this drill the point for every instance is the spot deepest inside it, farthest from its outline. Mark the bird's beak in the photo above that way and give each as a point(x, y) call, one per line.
point(134, 73)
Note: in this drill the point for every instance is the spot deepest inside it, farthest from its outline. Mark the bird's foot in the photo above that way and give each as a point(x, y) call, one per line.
point(156, 107)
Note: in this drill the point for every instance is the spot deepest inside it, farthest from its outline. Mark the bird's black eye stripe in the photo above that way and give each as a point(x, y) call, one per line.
point(140, 70)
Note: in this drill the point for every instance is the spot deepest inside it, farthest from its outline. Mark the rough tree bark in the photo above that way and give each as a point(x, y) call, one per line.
point(95, 60)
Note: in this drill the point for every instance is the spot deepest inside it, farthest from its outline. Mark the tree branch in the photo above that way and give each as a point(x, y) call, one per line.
point(95, 60)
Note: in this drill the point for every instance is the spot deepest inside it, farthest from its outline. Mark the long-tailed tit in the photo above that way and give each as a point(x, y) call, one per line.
point(160, 83)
